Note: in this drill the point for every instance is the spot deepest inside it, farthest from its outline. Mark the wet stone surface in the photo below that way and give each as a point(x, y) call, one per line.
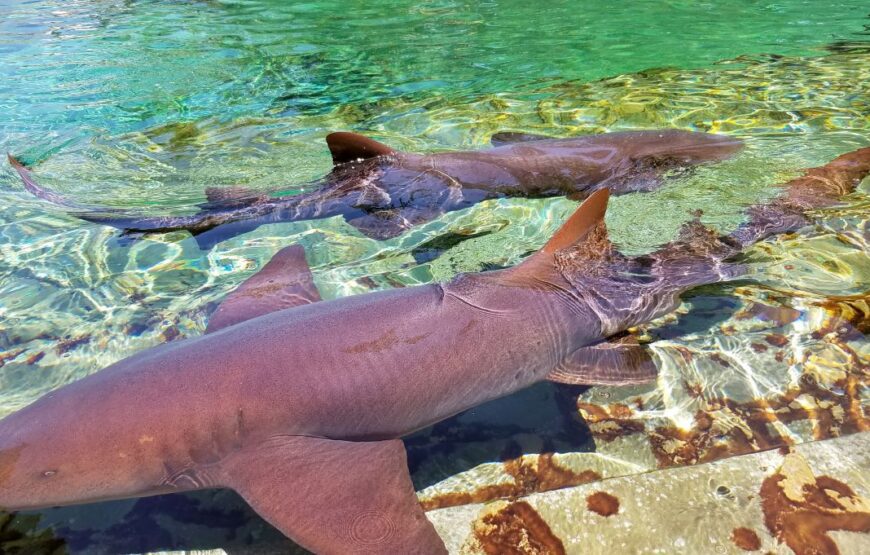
point(811, 499)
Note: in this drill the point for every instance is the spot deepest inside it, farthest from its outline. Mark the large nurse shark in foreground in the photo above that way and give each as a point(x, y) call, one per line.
point(300, 404)
point(383, 192)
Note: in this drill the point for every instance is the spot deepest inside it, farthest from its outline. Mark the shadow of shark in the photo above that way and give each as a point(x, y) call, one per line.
point(383, 192)
point(300, 404)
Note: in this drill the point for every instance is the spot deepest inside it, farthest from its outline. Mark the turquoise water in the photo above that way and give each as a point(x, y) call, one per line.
point(148, 103)
point(82, 69)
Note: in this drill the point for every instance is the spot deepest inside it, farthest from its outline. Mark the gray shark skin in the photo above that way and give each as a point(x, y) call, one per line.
point(383, 193)
point(300, 405)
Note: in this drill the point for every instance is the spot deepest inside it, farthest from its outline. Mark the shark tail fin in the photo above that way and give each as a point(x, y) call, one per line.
point(701, 255)
point(133, 225)
point(39, 191)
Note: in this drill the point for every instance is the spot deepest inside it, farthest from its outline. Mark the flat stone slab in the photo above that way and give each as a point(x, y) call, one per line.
point(814, 496)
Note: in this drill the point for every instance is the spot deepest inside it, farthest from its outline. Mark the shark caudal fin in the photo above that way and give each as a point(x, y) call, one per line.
point(134, 225)
point(699, 254)
point(37, 190)
point(96, 214)
point(626, 291)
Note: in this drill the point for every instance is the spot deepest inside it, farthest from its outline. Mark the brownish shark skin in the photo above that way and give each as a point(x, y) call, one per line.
point(326, 377)
point(301, 410)
point(383, 192)
point(284, 282)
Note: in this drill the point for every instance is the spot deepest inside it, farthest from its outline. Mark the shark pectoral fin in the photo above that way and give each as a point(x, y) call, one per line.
point(347, 147)
point(284, 282)
point(380, 225)
point(390, 223)
point(335, 496)
point(509, 137)
point(619, 361)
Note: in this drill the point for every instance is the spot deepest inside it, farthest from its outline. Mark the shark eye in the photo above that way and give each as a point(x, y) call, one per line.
point(49, 473)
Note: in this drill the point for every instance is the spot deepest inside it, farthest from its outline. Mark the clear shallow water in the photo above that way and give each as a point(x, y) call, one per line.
point(79, 68)
point(146, 104)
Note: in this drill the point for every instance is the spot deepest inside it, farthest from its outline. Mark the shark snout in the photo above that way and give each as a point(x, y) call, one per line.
point(28, 472)
point(41, 474)
point(706, 147)
point(14, 490)
point(688, 147)
point(43, 464)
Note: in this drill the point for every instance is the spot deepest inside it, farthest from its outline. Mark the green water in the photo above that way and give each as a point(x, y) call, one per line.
point(83, 69)
point(148, 103)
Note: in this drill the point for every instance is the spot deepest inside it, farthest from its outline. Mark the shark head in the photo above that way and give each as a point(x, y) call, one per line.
point(683, 147)
point(43, 464)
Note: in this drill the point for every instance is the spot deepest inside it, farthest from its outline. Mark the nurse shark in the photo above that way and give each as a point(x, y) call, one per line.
point(299, 404)
point(383, 192)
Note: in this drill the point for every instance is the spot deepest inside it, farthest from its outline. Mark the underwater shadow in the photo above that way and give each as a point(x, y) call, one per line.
point(537, 420)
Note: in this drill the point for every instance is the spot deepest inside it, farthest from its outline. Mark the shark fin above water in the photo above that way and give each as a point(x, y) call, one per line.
point(284, 282)
point(583, 221)
point(348, 147)
point(615, 361)
point(584, 230)
point(509, 137)
point(360, 492)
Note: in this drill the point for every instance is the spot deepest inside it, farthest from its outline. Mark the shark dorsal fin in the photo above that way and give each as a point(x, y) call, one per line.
point(582, 221)
point(284, 282)
point(584, 228)
point(347, 147)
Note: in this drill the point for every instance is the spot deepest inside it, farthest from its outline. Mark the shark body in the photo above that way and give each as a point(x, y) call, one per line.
point(300, 404)
point(383, 192)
